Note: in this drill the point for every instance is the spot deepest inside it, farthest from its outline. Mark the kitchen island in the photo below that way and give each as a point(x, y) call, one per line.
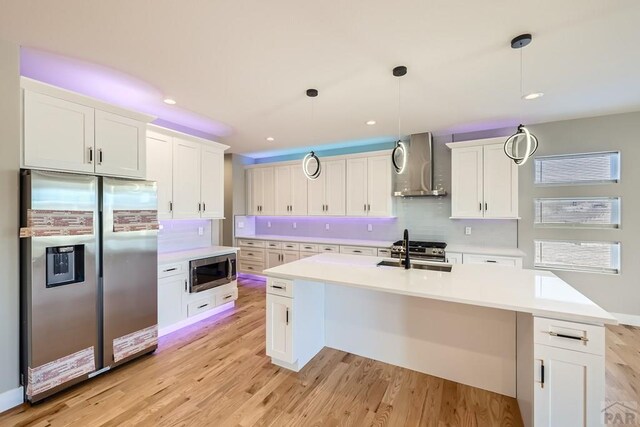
point(521, 333)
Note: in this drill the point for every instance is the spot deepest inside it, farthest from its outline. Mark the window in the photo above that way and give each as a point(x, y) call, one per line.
point(597, 212)
point(602, 257)
point(587, 168)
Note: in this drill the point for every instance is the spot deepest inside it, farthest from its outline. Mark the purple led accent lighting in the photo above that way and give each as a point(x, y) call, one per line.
point(115, 87)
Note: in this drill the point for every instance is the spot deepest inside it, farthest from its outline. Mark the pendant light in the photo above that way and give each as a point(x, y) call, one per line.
point(522, 136)
point(311, 166)
point(399, 153)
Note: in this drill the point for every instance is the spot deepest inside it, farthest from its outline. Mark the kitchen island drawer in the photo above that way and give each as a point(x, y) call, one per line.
point(358, 250)
point(280, 287)
point(252, 254)
point(490, 259)
point(569, 335)
point(251, 243)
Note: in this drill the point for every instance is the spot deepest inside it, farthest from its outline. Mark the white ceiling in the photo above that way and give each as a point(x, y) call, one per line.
point(247, 63)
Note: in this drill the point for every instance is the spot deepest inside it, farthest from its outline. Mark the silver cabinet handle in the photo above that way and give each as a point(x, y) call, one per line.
point(202, 306)
point(169, 269)
point(542, 374)
point(571, 337)
point(185, 286)
point(369, 207)
point(99, 156)
point(199, 207)
point(228, 296)
point(480, 208)
point(486, 206)
point(277, 287)
point(204, 207)
point(491, 260)
point(90, 155)
point(357, 252)
point(170, 206)
point(365, 207)
point(287, 316)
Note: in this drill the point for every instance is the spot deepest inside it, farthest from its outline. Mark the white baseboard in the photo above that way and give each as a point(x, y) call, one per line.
point(11, 398)
point(627, 319)
point(195, 319)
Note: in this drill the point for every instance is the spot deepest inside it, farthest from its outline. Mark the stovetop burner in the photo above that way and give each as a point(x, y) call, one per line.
point(415, 244)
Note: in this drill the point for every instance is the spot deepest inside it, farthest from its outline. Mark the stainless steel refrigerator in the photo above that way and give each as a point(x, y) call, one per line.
point(88, 277)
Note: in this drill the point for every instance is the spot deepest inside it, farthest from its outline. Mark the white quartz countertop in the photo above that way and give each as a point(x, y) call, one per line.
point(322, 240)
point(540, 293)
point(486, 250)
point(188, 255)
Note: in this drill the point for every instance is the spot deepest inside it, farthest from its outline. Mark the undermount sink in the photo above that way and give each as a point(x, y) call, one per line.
point(444, 267)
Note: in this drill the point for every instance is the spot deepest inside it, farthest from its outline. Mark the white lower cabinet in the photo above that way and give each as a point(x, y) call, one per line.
point(491, 259)
point(454, 257)
point(569, 388)
point(170, 290)
point(280, 328)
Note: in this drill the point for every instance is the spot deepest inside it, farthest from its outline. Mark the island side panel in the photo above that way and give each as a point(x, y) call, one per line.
point(525, 367)
point(463, 343)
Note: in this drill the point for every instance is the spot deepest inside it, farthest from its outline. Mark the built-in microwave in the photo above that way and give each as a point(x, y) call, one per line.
point(207, 273)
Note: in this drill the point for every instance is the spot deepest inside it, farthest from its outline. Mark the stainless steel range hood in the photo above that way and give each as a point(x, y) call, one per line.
point(416, 178)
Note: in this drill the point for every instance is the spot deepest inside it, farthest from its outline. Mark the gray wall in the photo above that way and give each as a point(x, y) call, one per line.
point(615, 293)
point(234, 193)
point(9, 221)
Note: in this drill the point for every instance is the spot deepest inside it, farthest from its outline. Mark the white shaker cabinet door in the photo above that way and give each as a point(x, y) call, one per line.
point(379, 186)
point(500, 183)
point(186, 179)
point(58, 134)
point(282, 177)
point(160, 169)
point(467, 182)
point(357, 200)
point(120, 145)
point(212, 183)
point(274, 258)
point(299, 191)
point(316, 195)
point(253, 197)
point(279, 328)
point(170, 292)
point(569, 391)
point(267, 181)
point(335, 197)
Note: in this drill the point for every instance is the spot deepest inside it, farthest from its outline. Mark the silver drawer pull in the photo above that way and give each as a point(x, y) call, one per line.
point(228, 296)
point(571, 337)
point(169, 269)
point(357, 252)
point(277, 287)
point(202, 306)
point(491, 260)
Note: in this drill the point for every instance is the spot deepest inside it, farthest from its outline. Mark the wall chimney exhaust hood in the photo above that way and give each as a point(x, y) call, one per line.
point(416, 178)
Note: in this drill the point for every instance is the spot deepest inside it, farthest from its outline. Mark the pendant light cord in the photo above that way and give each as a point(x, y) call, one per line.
point(399, 112)
point(521, 85)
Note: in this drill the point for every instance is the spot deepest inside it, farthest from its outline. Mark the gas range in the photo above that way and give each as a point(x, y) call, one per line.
point(426, 251)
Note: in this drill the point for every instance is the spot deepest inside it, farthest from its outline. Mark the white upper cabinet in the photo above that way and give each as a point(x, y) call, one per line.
point(369, 186)
point(186, 179)
point(160, 169)
point(290, 190)
point(261, 191)
point(212, 182)
point(484, 181)
point(189, 172)
point(353, 185)
point(57, 134)
point(120, 145)
point(70, 132)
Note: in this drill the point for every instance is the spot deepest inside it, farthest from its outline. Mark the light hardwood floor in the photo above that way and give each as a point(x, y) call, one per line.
point(215, 373)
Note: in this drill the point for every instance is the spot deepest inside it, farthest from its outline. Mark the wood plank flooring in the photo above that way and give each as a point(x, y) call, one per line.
point(215, 373)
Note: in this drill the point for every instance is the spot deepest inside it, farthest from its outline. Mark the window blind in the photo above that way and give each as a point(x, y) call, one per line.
point(597, 212)
point(602, 257)
point(578, 168)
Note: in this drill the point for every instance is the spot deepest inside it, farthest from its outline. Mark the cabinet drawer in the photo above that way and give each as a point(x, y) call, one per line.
point(307, 254)
point(358, 250)
point(489, 259)
point(251, 243)
point(289, 246)
point(274, 245)
point(383, 252)
point(280, 287)
point(328, 248)
point(250, 267)
point(252, 254)
point(569, 335)
point(225, 297)
point(168, 270)
point(200, 306)
point(308, 247)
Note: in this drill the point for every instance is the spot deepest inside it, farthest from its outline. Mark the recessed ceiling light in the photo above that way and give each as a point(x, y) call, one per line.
point(370, 122)
point(270, 139)
point(170, 101)
point(533, 95)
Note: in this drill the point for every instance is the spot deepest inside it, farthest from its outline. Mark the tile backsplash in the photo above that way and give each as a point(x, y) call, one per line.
point(178, 235)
